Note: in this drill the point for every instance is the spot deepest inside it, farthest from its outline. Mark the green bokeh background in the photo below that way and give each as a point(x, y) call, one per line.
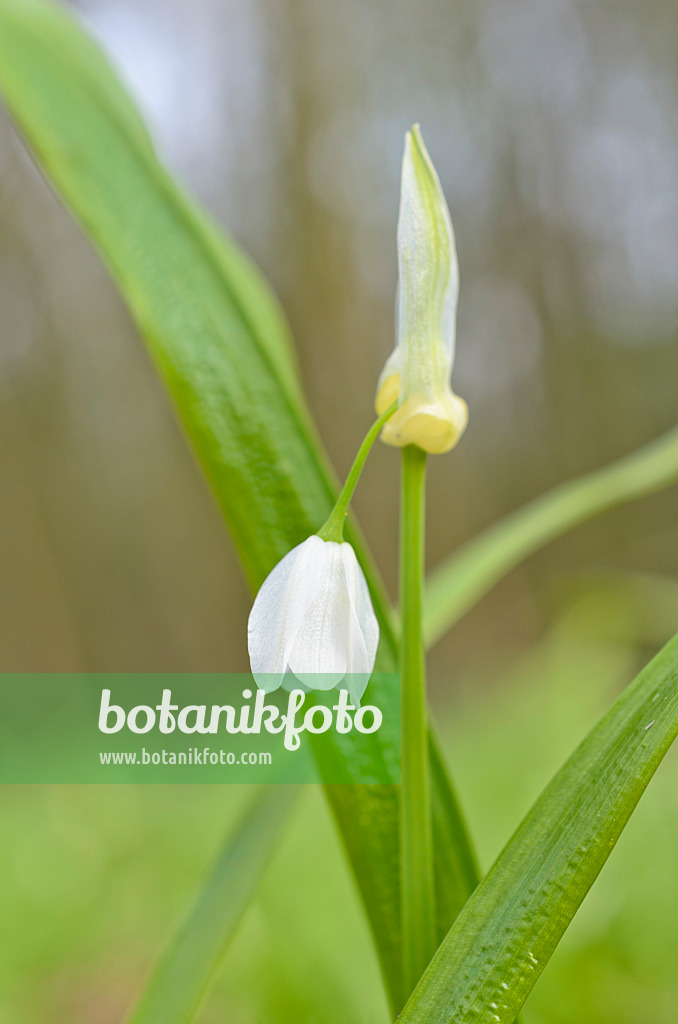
point(554, 126)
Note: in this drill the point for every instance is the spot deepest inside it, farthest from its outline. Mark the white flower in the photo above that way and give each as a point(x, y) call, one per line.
point(313, 617)
point(418, 372)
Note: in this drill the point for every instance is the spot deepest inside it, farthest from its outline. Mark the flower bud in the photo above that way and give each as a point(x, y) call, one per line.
point(418, 371)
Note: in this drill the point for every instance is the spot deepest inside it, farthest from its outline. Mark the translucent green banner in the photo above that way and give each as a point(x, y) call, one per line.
point(189, 729)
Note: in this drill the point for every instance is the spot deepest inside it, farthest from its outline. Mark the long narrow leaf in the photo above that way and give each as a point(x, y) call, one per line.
point(220, 344)
point(184, 974)
point(506, 933)
point(467, 575)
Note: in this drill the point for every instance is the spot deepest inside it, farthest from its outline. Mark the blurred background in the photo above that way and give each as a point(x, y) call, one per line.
point(554, 127)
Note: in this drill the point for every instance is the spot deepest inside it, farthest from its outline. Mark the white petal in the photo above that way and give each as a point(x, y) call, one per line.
point(363, 655)
point(279, 609)
point(364, 636)
point(319, 656)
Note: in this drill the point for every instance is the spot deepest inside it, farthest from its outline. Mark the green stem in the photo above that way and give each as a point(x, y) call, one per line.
point(416, 840)
point(333, 528)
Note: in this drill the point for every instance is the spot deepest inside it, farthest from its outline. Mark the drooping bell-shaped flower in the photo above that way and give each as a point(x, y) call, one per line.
point(417, 374)
point(313, 617)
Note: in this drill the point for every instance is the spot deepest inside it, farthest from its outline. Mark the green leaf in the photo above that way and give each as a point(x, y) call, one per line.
point(474, 569)
point(503, 938)
point(183, 976)
point(221, 346)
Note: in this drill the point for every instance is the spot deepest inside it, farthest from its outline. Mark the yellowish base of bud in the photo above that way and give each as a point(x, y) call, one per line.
point(387, 392)
point(434, 426)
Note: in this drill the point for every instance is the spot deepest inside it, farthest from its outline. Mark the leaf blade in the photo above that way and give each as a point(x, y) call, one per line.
point(506, 933)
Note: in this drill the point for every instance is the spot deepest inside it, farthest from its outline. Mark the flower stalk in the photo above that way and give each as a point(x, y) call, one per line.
point(430, 419)
point(333, 528)
point(416, 840)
